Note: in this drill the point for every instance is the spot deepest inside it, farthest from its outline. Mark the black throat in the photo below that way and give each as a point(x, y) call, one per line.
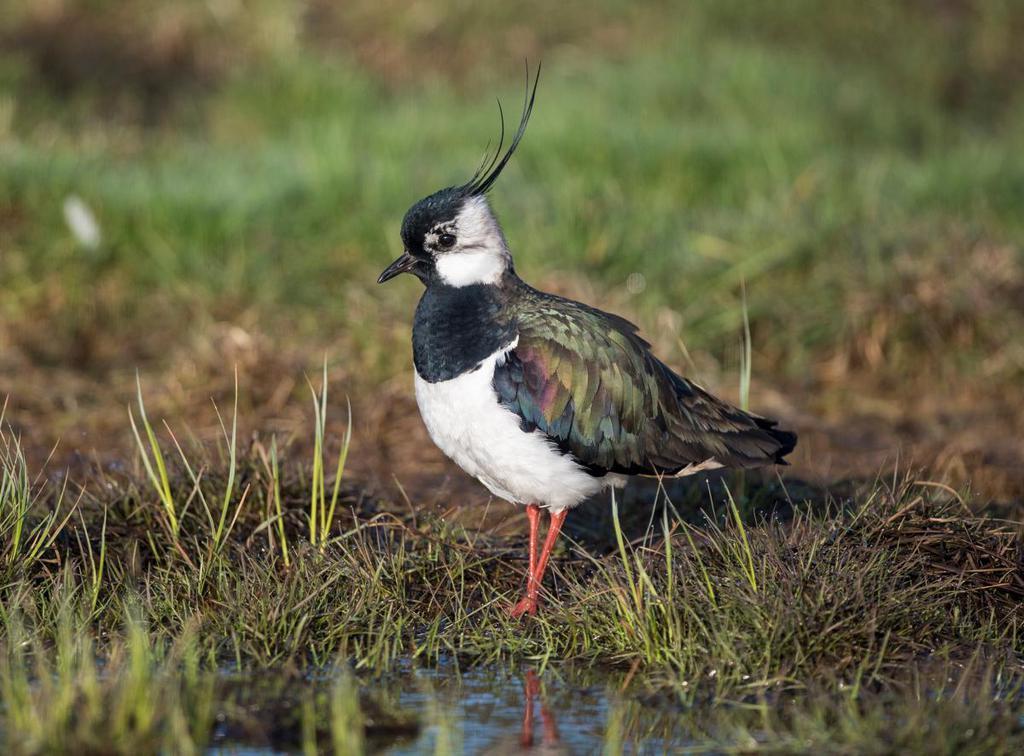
point(457, 327)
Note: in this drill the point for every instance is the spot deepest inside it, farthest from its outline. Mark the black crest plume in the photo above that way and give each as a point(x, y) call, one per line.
point(489, 170)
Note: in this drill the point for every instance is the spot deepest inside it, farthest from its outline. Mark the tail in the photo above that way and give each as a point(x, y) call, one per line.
point(703, 432)
point(721, 434)
point(785, 439)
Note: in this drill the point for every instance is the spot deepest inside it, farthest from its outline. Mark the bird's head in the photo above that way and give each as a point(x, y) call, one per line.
point(453, 236)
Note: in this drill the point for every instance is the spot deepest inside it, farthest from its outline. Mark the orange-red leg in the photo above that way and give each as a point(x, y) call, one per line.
point(528, 604)
point(533, 515)
point(554, 528)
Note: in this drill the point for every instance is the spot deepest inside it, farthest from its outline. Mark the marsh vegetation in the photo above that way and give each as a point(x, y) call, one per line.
point(195, 200)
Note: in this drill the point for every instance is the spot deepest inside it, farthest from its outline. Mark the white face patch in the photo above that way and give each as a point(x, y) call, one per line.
point(480, 254)
point(466, 268)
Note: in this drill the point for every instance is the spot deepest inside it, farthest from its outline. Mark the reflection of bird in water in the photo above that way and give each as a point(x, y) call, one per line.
point(525, 742)
point(531, 690)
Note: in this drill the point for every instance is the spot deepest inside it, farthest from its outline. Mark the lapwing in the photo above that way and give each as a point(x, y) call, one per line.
point(547, 401)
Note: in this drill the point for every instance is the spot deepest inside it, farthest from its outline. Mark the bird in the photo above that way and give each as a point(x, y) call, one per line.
point(545, 400)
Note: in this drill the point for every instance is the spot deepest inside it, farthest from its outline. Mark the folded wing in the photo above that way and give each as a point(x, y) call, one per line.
point(588, 381)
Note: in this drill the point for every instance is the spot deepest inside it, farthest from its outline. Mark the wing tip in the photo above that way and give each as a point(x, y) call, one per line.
point(785, 439)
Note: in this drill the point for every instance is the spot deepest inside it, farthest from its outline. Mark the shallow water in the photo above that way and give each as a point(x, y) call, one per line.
point(498, 712)
point(479, 710)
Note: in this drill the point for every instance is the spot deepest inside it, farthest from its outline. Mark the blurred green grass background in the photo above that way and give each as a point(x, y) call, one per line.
point(859, 168)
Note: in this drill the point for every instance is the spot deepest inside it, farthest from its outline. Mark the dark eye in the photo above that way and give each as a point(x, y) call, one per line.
point(446, 240)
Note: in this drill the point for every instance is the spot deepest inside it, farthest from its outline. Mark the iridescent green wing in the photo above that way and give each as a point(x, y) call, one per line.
point(590, 383)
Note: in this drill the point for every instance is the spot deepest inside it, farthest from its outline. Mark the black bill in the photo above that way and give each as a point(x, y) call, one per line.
point(403, 264)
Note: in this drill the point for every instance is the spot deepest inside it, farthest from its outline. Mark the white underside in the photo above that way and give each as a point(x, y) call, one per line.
point(468, 424)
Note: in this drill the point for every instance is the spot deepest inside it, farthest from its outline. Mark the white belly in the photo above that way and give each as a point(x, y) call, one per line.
point(466, 422)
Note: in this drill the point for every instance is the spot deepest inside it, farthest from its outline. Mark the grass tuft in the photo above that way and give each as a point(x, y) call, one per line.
point(23, 543)
point(152, 457)
point(321, 513)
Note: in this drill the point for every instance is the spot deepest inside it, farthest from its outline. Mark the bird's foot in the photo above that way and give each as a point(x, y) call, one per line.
point(526, 605)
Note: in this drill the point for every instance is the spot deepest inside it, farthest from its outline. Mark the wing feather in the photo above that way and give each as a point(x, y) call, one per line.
point(589, 381)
